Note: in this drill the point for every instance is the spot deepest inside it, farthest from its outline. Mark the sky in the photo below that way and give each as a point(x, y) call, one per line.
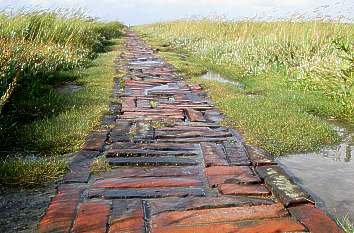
point(134, 12)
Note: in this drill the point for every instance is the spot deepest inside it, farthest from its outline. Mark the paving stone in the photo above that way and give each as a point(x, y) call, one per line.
point(146, 193)
point(146, 182)
point(92, 217)
point(122, 172)
point(218, 215)
point(79, 168)
point(213, 116)
point(144, 152)
point(259, 157)
point(243, 189)
point(229, 170)
point(157, 146)
point(192, 134)
point(210, 228)
point(236, 154)
point(215, 181)
point(155, 161)
point(96, 140)
point(282, 186)
point(314, 219)
point(127, 216)
point(198, 203)
point(194, 115)
point(61, 210)
point(271, 226)
point(213, 154)
point(128, 103)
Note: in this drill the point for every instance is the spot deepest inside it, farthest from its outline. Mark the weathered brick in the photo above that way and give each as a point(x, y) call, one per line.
point(314, 219)
point(282, 186)
point(194, 115)
point(79, 168)
point(208, 216)
point(146, 193)
point(228, 170)
point(127, 216)
point(213, 155)
point(151, 172)
point(243, 189)
point(92, 217)
point(211, 228)
point(236, 153)
point(61, 210)
point(272, 226)
point(232, 179)
point(155, 161)
point(96, 140)
point(146, 182)
point(198, 203)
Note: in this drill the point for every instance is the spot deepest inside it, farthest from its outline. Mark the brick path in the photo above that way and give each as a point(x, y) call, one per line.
point(175, 169)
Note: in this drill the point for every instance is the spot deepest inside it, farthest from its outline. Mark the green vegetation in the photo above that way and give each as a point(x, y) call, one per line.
point(37, 44)
point(100, 165)
point(346, 224)
point(30, 172)
point(35, 115)
point(297, 75)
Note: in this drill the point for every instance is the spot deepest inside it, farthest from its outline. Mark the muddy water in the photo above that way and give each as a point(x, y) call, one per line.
point(327, 174)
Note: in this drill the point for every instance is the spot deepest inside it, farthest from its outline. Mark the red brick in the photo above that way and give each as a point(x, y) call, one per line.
point(228, 170)
point(207, 216)
point(151, 172)
point(149, 182)
point(232, 179)
point(127, 216)
point(314, 219)
point(213, 155)
point(273, 226)
point(92, 217)
point(95, 140)
point(212, 228)
point(195, 115)
point(243, 189)
point(61, 210)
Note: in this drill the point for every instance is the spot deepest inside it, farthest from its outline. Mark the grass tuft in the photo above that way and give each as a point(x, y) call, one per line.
point(30, 172)
point(100, 164)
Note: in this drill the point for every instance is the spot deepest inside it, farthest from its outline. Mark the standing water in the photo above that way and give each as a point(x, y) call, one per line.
point(327, 174)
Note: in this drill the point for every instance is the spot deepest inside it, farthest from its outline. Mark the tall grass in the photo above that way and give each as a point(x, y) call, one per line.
point(37, 43)
point(314, 55)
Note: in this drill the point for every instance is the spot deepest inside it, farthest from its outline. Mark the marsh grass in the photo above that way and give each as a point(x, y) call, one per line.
point(311, 55)
point(268, 113)
point(35, 44)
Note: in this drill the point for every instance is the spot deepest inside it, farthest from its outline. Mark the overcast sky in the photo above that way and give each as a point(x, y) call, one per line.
point(147, 11)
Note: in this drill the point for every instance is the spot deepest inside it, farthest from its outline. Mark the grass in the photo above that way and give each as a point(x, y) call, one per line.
point(346, 224)
point(30, 173)
point(270, 112)
point(100, 165)
point(54, 123)
point(35, 44)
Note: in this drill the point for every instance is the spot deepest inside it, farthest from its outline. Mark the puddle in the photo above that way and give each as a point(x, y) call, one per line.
point(327, 174)
point(212, 76)
point(148, 61)
point(168, 87)
point(68, 88)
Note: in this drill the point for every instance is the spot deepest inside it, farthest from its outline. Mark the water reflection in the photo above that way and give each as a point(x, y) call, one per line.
point(327, 174)
point(211, 76)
